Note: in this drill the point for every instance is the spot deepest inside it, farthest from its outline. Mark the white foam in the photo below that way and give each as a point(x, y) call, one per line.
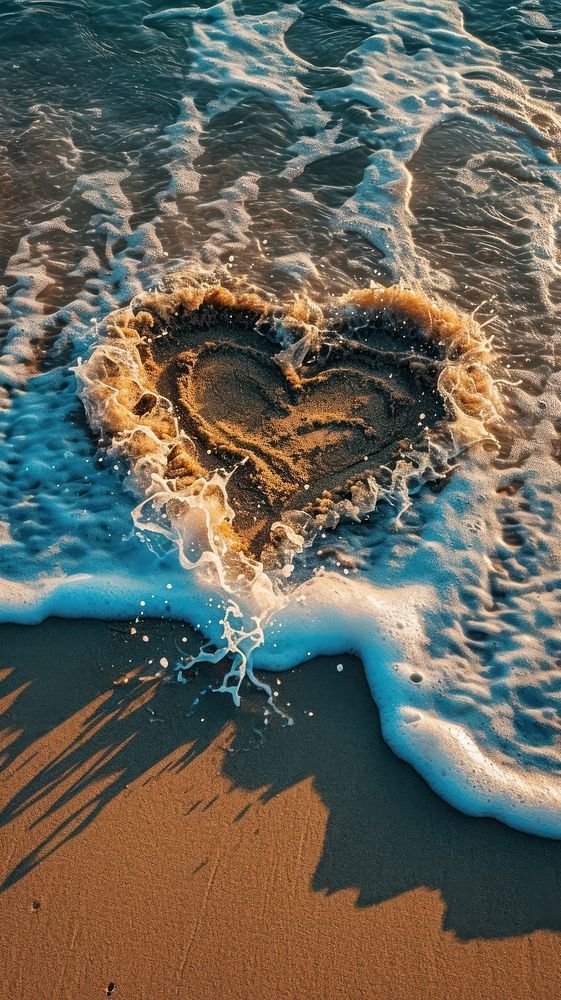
point(463, 590)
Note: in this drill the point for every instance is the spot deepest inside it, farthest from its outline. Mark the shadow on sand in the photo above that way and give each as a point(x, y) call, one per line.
point(386, 833)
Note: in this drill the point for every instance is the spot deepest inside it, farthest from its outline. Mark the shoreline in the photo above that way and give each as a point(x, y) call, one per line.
point(176, 857)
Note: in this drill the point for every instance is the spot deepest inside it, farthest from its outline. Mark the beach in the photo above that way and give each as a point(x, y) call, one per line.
point(171, 857)
point(280, 499)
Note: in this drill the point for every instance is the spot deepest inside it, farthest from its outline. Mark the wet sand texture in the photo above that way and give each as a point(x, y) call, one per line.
point(354, 403)
point(303, 403)
point(186, 859)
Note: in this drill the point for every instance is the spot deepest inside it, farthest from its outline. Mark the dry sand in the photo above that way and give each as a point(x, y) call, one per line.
point(173, 857)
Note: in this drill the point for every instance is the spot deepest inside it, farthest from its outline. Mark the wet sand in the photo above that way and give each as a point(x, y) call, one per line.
point(311, 405)
point(174, 857)
point(304, 436)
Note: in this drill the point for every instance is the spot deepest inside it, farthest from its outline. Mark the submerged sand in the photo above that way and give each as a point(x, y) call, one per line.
point(186, 851)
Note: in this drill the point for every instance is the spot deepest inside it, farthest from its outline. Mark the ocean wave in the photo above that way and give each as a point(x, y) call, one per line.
point(313, 155)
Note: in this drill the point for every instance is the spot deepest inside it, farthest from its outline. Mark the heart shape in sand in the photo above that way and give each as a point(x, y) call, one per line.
point(307, 408)
point(305, 435)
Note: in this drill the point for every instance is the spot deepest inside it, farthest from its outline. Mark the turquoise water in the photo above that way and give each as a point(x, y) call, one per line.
point(310, 148)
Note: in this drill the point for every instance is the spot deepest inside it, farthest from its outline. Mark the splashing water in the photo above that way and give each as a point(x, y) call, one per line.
point(408, 153)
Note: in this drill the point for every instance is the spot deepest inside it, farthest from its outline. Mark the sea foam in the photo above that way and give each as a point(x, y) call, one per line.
point(408, 151)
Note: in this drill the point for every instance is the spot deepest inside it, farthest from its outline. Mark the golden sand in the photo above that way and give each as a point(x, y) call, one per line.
point(303, 401)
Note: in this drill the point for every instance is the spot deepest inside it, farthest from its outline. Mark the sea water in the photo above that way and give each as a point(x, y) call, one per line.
point(308, 149)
